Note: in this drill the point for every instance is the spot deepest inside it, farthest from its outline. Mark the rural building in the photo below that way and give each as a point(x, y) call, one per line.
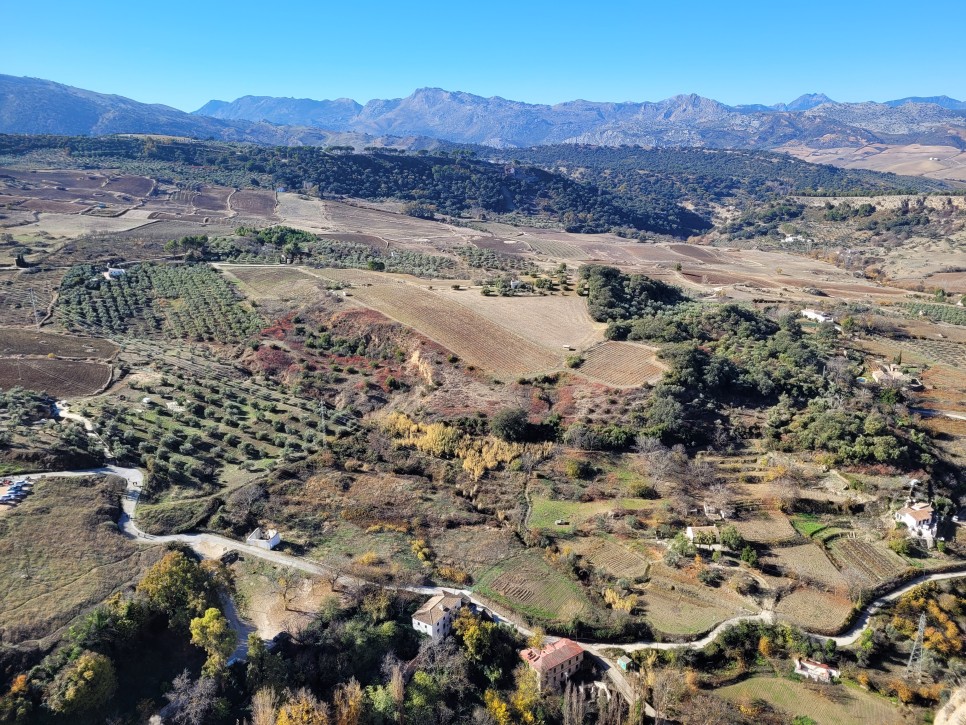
point(554, 663)
point(435, 617)
point(625, 663)
point(264, 538)
point(717, 512)
point(114, 273)
point(815, 670)
point(890, 373)
point(816, 316)
point(703, 535)
point(920, 519)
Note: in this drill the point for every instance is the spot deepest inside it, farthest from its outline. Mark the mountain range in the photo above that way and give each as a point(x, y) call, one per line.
point(431, 115)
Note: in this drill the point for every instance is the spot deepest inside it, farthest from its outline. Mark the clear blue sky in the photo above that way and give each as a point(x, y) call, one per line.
point(186, 53)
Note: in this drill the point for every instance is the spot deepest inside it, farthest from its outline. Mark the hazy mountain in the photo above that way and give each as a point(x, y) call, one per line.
point(685, 120)
point(433, 116)
point(945, 101)
point(333, 115)
point(35, 106)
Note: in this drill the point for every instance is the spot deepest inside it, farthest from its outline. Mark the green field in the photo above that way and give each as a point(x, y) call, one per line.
point(840, 706)
point(546, 511)
point(529, 585)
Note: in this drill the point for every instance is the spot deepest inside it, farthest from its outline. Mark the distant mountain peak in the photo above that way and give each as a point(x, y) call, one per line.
point(805, 102)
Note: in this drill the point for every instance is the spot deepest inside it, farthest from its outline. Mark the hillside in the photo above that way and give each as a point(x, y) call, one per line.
point(456, 185)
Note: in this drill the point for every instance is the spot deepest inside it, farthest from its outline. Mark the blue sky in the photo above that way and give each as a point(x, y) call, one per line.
point(186, 53)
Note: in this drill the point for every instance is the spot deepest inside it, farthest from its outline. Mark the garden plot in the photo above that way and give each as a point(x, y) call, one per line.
point(622, 365)
point(546, 512)
point(807, 562)
point(815, 610)
point(276, 284)
point(527, 584)
point(873, 563)
point(767, 527)
point(612, 556)
point(249, 202)
point(676, 606)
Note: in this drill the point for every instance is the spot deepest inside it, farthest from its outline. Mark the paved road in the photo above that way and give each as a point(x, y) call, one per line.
point(213, 546)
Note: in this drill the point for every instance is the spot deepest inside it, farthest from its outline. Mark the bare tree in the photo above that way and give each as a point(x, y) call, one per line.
point(264, 707)
point(574, 708)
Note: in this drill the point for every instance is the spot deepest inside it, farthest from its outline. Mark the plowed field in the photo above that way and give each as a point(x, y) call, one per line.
point(59, 378)
point(622, 364)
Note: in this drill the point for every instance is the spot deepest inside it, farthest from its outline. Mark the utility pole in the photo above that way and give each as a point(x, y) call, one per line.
point(915, 657)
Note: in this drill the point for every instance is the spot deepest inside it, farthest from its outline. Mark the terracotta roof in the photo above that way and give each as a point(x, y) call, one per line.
point(917, 512)
point(552, 655)
point(436, 608)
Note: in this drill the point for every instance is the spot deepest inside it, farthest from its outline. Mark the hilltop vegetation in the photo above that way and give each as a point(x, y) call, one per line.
point(454, 184)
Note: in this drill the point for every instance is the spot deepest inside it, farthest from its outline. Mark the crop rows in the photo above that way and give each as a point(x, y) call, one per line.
point(939, 313)
point(873, 562)
point(622, 365)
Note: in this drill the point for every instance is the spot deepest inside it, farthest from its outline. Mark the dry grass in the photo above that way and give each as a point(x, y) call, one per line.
point(61, 553)
point(769, 527)
point(250, 202)
point(809, 562)
point(832, 705)
point(873, 562)
point(612, 556)
point(288, 285)
point(815, 610)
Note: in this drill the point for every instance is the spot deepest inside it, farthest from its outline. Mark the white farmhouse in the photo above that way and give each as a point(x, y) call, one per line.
point(815, 670)
point(435, 617)
point(264, 538)
point(920, 519)
point(816, 316)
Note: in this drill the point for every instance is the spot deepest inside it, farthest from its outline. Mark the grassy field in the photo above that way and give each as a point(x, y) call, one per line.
point(841, 706)
point(815, 610)
point(61, 553)
point(528, 585)
point(547, 511)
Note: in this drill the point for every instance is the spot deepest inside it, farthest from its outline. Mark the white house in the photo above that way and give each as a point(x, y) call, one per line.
point(555, 662)
point(920, 519)
point(815, 670)
point(435, 617)
point(114, 273)
point(263, 538)
point(816, 316)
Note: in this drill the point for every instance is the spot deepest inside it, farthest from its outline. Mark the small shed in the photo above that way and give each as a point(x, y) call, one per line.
point(263, 538)
point(625, 663)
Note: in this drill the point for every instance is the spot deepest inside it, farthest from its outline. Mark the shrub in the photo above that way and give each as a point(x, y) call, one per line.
point(510, 425)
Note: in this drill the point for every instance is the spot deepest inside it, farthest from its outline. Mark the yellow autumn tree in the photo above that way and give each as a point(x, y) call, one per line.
point(302, 708)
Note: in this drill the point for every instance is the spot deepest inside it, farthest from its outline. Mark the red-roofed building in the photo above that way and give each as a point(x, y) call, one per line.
point(555, 662)
point(815, 670)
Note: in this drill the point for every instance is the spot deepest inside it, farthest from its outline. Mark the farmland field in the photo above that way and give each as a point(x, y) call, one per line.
point(528, 584)
point(770, 527)
point(677, 607)
point(873, 562)
point(622, 364)
point(253, 203)
point(490, 346)
point(32, 342)
point(282, 284)
point(807, 561)
point(546, 511)
point(850, 706)
point(59, 378)
point(814, 610)
point(612, 556)
point(61, 554)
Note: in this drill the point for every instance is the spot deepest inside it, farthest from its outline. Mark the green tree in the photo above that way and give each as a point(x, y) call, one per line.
point(178, 586)
point(510, 424)
point(85, 684)
point(731, 539)
point(213, 633)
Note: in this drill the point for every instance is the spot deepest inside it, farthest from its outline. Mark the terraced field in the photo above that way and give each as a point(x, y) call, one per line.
point(873, 562)
point(612, 556)
point(622, 364)
point(809, 562)
point(529, 585)
point(815, 610)
point(282, 284)
point(766, 527)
